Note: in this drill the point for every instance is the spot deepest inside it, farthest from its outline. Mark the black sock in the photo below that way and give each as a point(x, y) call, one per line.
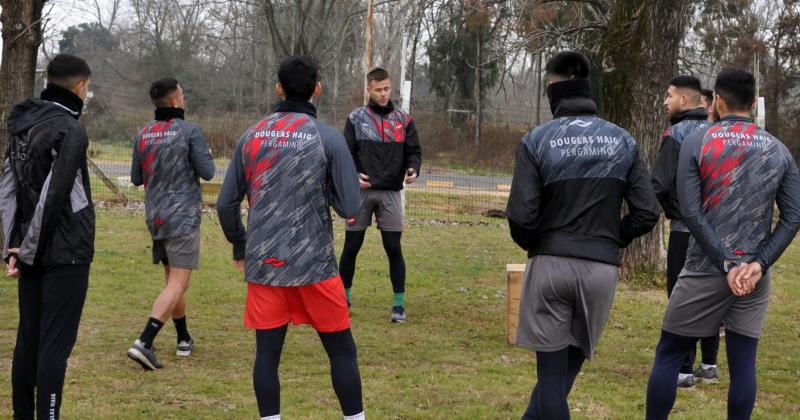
point(150, 331)
point(180, 328)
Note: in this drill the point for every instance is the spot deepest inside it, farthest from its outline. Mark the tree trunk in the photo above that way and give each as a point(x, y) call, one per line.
point(538, 88)
point(22, 34)
point(638, 57)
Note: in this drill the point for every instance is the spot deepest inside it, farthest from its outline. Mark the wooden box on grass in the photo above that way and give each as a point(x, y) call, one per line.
point(515, 277)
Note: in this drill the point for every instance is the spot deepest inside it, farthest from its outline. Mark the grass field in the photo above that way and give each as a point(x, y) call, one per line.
point(449, 361)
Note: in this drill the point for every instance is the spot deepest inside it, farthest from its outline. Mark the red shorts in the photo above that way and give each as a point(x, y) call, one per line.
point(323, 305)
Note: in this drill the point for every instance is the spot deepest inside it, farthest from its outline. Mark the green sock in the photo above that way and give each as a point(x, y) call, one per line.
point(400, 299)
point(347, 293)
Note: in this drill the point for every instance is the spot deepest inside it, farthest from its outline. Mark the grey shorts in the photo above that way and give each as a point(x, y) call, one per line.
point(385, 204)
point(565, 302)
point(701, 301)
point(178, 252)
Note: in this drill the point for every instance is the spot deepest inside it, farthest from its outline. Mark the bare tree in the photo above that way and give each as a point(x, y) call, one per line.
point(639, 55)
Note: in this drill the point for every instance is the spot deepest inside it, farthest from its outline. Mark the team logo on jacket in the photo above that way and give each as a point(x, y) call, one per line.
point(581, 123)
point(275, 262)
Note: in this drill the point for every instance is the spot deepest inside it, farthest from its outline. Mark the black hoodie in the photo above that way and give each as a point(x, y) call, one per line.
point(45, 194)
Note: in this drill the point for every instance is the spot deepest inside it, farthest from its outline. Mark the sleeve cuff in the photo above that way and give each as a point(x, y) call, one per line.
point(239, 251)
point(415, 166)
point(763, 263)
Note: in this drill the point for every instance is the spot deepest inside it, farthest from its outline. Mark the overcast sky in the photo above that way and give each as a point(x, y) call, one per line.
point(61, 14)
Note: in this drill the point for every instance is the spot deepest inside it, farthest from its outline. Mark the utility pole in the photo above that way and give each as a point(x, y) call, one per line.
point(761, 114)
point(405, 86)
point(478, 110)
point(368, 48)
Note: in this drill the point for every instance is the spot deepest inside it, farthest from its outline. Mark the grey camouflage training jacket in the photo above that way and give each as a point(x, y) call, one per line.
point(729, 179)
point(292, 168)
point(169, 157)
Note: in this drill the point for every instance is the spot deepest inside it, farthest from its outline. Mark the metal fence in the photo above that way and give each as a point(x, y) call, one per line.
point(460, 178)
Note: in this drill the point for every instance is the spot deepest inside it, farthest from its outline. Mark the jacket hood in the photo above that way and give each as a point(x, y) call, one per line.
point(32, 111)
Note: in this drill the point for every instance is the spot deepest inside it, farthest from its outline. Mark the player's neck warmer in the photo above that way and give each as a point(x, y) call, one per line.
point(292, 105)
point(381, 110)
point(166, 114)
point(64, 97)
point(567, 89)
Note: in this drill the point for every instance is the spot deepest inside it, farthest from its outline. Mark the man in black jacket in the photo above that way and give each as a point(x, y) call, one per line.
point(570, 179)
point(48, 227)
point(687, 115)
point(385, 147)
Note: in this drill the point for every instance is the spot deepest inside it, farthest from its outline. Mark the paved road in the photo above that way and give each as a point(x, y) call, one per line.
point(437, 179)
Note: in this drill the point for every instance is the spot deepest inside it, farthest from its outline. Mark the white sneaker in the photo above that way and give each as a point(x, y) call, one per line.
point(184, 348)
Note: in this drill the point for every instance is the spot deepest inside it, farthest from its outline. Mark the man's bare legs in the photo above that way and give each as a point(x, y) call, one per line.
point(171, 301)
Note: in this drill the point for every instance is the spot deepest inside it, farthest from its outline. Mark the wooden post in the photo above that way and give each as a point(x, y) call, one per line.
point(120, 197)
point(515, 278)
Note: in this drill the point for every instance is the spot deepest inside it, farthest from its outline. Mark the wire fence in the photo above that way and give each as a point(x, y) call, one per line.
point(464, 175)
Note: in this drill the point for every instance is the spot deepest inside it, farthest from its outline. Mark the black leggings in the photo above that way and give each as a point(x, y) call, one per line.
point(556, 372)
point(676, 258)
point(672, 349)
point(345, 376)
point(391, 244)
point(50, 306)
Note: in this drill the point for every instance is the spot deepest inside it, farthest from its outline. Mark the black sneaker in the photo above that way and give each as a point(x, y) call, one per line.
point(184, 348)
point(144, 356)
point(709, 376)
point(398, 314)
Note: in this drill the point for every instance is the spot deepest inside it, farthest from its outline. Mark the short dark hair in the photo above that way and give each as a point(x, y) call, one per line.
point(377, 74)
point(737, 87)
point(66, 70)
point(297, 75)
point(569, 65)
point(686, 81)
point(709, 94)
point(161, 89)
